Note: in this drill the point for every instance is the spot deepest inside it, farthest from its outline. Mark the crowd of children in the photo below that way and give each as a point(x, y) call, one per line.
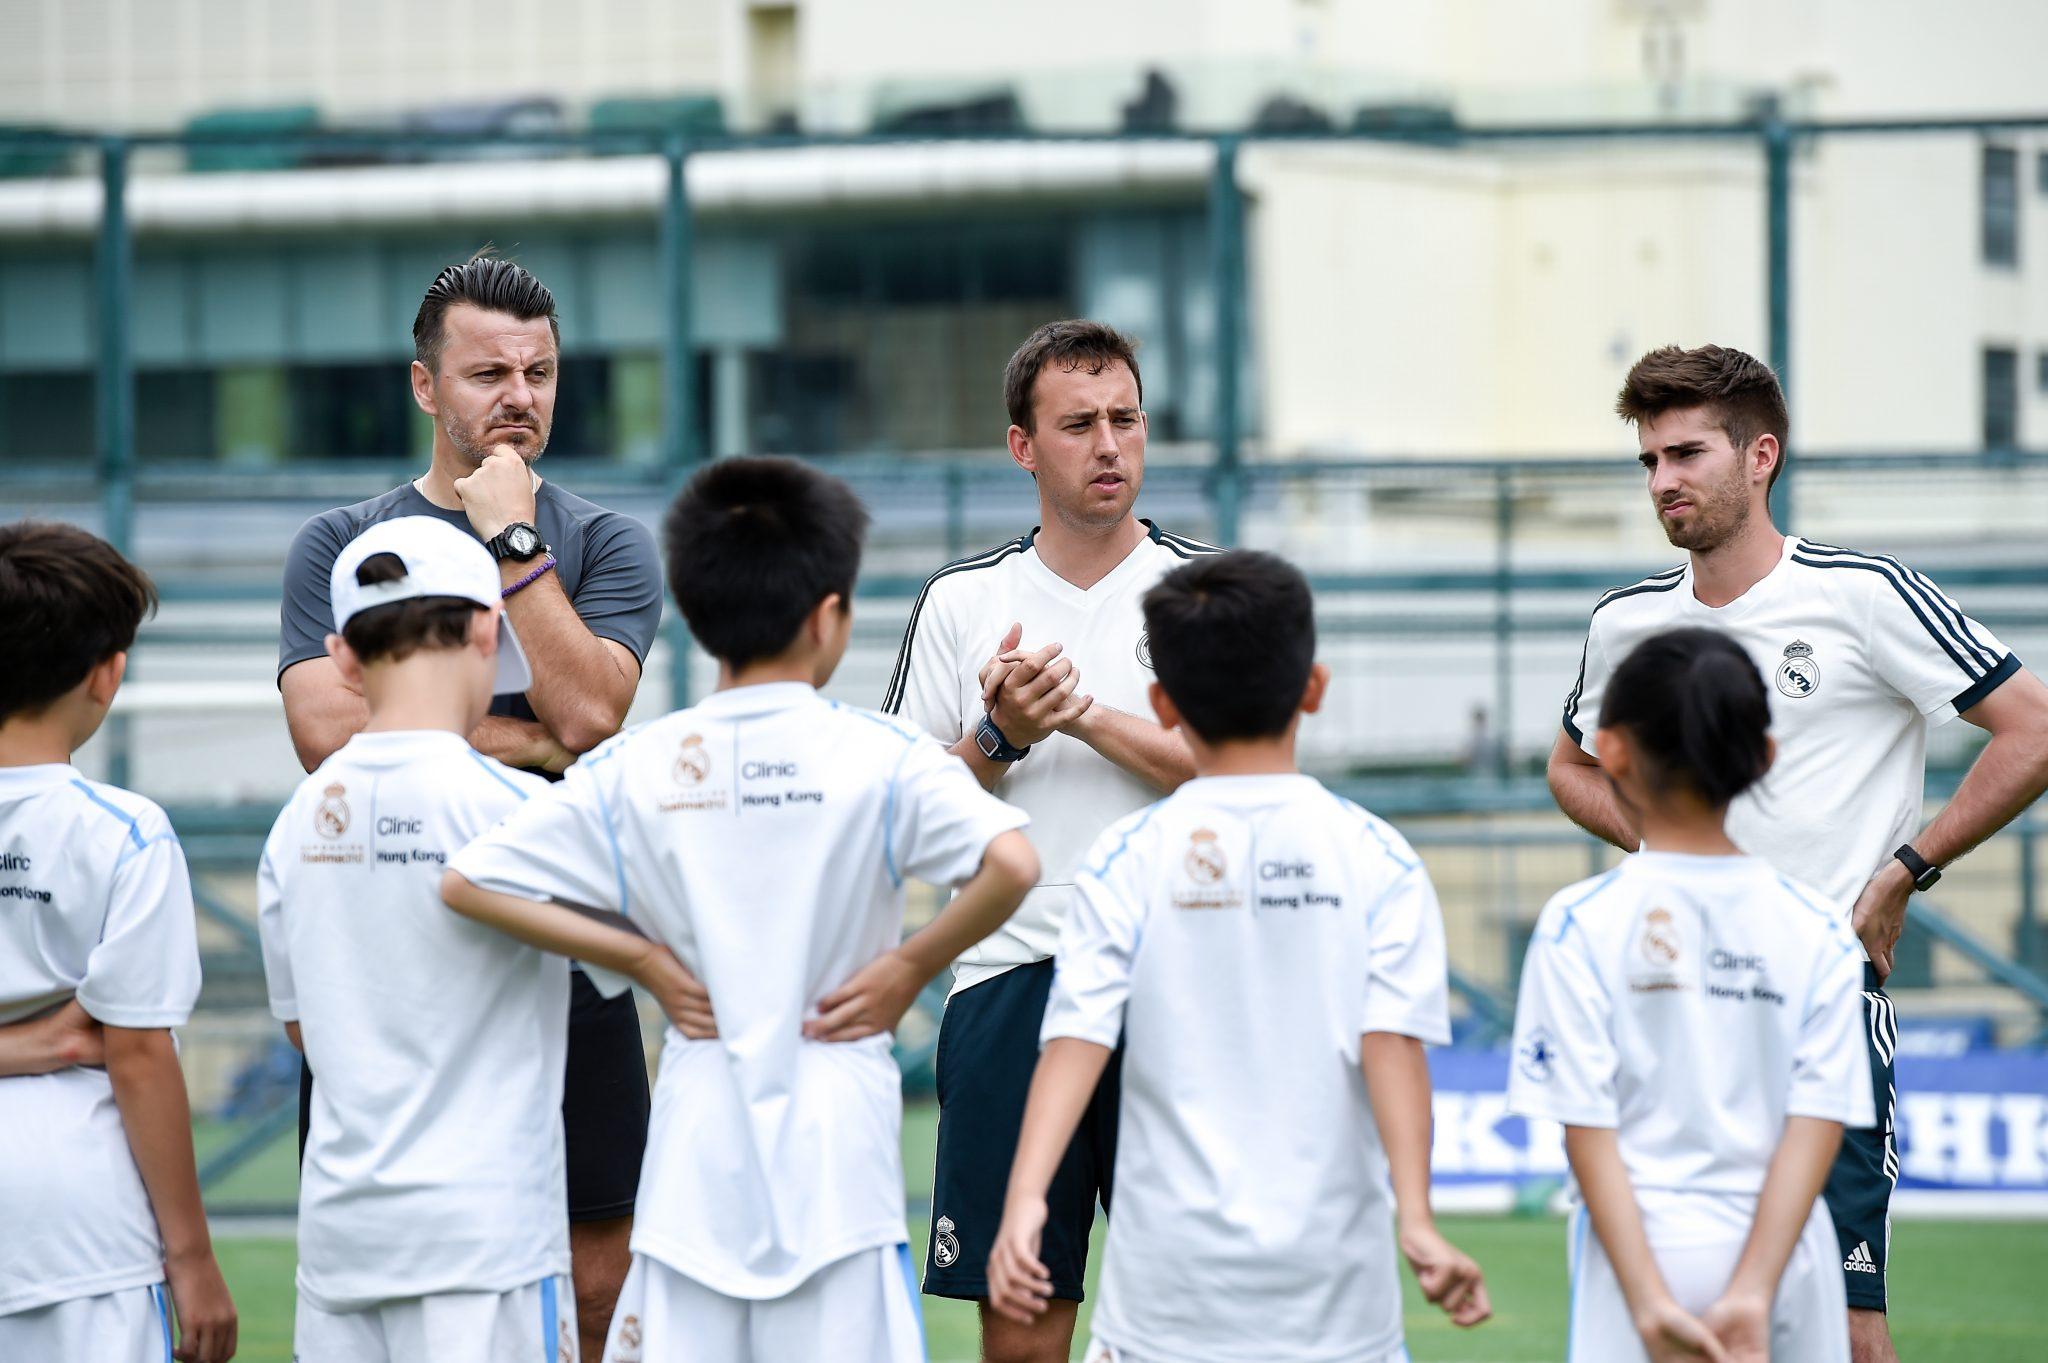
point(1269, 956)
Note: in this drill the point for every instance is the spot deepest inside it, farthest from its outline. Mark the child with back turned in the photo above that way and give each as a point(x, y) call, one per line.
point(1692, 1019)
point(431, 1221)
point(1272, 957)
point(765, 835)
point(99, 1199)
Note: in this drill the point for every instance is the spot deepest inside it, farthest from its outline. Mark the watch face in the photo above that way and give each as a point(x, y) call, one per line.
point(522, 540)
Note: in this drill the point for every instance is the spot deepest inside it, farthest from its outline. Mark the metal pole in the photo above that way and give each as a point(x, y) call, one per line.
point(1777, 139)
point(1227, 281)
point(679, 375)
point(114, 392)
point(1503, 623)
point(114, 386)
point(679, 371)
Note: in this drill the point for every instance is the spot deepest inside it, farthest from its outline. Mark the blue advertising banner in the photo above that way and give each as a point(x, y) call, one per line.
point(1972, 1134)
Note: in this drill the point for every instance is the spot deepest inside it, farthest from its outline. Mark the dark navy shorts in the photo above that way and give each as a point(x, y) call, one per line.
point(604, 1103)
point(1859, 1187)
point(988, 1048)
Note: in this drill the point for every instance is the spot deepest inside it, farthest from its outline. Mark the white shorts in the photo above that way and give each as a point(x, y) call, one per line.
point(129, 1326)
point(531, 1324)
point(1101, 1351)
point(861, 1309)
point(1809, 1320)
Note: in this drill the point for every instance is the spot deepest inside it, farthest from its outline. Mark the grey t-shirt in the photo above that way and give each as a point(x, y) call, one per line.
point(606, 562)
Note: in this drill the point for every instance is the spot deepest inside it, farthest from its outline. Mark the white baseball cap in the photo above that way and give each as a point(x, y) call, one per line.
point(439, 560)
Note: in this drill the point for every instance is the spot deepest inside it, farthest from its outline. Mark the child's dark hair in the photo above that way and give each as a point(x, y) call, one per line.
point(753, 545)
point(1695, 705)
point(1232, 638)
point(398, 630)
point(68, 602)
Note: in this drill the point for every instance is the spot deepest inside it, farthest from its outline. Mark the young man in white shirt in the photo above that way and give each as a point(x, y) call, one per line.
point(1863, 654)
point(765, 835)
point(1693, 1019)
point(1271, 958)
point(99, 1197)
point(1030, 663)
point(432, 1226)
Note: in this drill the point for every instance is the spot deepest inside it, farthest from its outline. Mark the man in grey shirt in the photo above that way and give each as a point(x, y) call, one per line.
point(583, 588)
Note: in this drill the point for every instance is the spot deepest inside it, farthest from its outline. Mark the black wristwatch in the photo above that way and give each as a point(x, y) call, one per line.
point(1916, 865)
point(993, 745)
point(519, 541)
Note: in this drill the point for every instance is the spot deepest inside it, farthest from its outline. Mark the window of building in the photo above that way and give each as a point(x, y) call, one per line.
point(175, 414)
point(349, 411)
point(2001, 398)
point(2001, 206)
point(46, 417)
point(2041, 372)
point(2041, 171)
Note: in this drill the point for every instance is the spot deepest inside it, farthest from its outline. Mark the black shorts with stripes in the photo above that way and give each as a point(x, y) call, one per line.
point(1859, 1187)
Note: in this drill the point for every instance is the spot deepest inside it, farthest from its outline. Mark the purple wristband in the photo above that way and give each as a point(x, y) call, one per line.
point(534, 576)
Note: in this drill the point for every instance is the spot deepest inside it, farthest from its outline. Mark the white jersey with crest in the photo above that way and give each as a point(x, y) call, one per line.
point(96, 905)
point(1070, 791)
point(1240, 937)
point(434, 1156)
point(1692, 1004)
point(764, 835)
point(1859, 654)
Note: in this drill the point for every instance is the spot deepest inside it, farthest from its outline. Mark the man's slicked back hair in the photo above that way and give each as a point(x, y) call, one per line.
point(1070, 345)
point(1739, 390)
point(68, 602)
point(485, 281)
point(753, 545)
point(1233, 639)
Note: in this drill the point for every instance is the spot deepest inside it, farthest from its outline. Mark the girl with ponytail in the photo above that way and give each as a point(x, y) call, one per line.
point(1692, 1019)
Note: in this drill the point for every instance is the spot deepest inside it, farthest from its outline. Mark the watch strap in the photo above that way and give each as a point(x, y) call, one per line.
point(1924, 873)
point(994, 745)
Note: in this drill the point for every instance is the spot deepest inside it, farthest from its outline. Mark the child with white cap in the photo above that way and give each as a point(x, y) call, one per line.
point(431, 1221)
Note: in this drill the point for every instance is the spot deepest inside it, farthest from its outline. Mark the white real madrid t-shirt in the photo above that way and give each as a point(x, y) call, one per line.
point(96, 904)
point(1070, 791)
point(1858, 655)
point(1240, 936)
point(1692, 1004)
point(764, 836)
point(434, 1158)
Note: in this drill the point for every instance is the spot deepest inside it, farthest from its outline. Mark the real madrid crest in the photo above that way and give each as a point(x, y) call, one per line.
point(1660, 938)
point(330, 818)
point(945, 1248)
point(1204, 860)
point(1145, 650)
point(1799, 674)
point(693, 764)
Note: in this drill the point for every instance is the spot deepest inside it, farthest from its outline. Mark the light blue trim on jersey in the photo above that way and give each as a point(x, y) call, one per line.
point(550, 1328)
point(134, 828)
point(611, 833)
point(1569, 922)
point(1372, 826)
point(910, 1287)
point(163, 1317)
point(1799, 895)
point(895, 778)
point(1123, 843)
point(1578, 1267)
point(491, 770)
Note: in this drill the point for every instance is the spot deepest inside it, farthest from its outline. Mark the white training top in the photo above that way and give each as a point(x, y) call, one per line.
point(1240, 936)
point(95, 903)
point(1692, 1003)
point(764, 836)
point(434, 1159)
point(1070, 791)
point(1858, 655)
